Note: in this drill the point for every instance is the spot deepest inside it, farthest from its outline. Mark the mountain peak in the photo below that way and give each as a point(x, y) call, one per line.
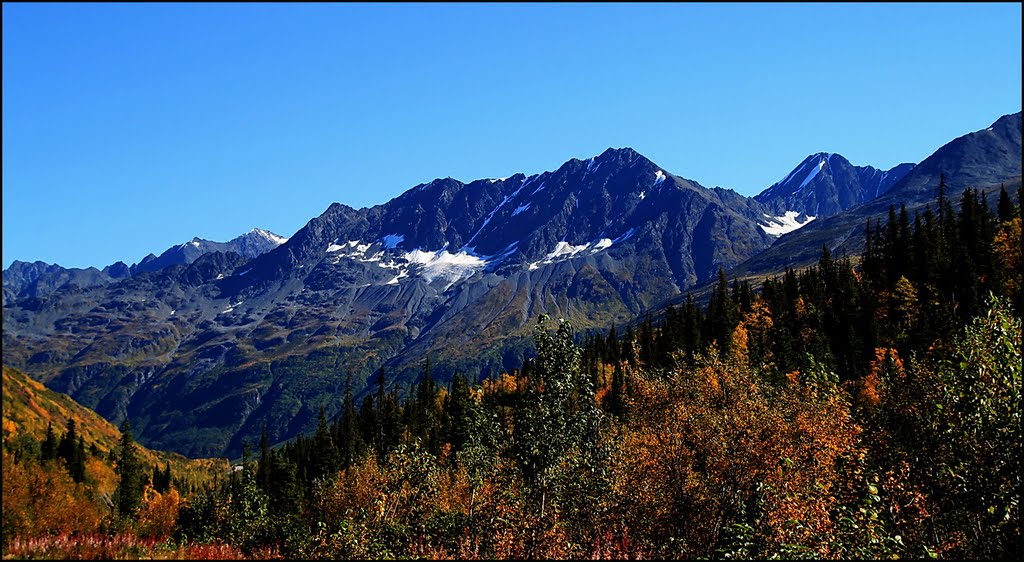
point(251, 244)
point(266, 235)
point(826, 183)
point(625, 151)
point(624, 154)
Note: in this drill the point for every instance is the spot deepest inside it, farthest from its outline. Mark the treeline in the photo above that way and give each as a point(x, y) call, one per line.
point(918, 281)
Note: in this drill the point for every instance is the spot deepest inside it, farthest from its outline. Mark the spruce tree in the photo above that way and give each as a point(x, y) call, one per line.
point(324, 454)
point(48, 449)
point(130, 475)
point(66, 447)
point(77, 466)
point(72, 451)
point(459, 416)
point(348, 435)
point(1005, 208)
point(612, 347)
point(263, 469)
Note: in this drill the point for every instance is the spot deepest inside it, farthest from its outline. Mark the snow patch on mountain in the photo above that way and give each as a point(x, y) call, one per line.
point(564, 250)
point(521, 209)
point(401, 275)
point(659, 177)
point(359, 251)
point(350, 248)
point(266, 234)
point(777, 226)
point(428, 265)
point(445, 265)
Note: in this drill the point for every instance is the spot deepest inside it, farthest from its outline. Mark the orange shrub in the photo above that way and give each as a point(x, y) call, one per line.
point(703, 448)
point(158, 515)
point(44, 500)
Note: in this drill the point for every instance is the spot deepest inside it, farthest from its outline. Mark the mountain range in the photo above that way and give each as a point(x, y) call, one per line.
point(205, 344)
point(38, 279)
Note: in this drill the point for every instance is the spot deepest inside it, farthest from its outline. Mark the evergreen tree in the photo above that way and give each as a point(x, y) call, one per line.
point(130, 475)
point(723, 315)
point(71, 451)
point(77, 466)
point(163, 482)
point(422, 410)
point(324, 454)
point(368, 425)
point(68, 443)
point(459, 414)
point(285, 495)
point(612, 347)
point(629, 351)
point(691, 327)
point(1005, 208)
point(263, 469)
point(48, 448)
point(157, 479)
point(390, 421)
point(348, 434)
point(647, 342)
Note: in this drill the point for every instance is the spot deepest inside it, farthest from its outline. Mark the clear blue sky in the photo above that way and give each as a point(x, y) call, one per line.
point(130, 128)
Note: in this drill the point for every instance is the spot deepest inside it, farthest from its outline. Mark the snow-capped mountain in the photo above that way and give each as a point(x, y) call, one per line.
point(983, 159)
point(507, 225)
point(457, 271)
point(822, 185)
point(201, 353)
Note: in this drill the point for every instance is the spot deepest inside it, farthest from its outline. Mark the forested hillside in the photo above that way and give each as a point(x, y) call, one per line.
point(67, 472)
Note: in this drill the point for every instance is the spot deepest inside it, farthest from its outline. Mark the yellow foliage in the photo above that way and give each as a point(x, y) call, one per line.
point(28, 407)
point(41, 500)
point(739, 344)
point(158, 514)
